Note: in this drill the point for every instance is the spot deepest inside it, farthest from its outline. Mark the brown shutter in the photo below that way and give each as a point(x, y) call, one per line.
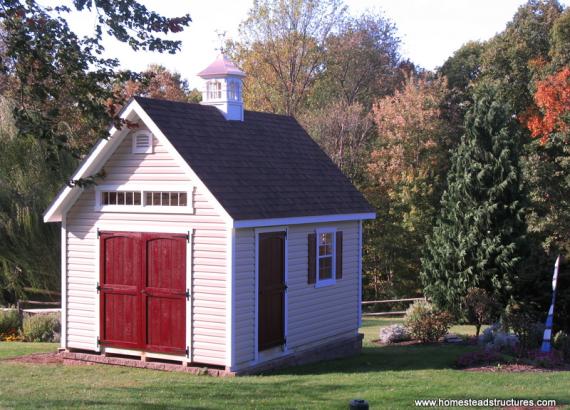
point(312, 240)
point(339, 255)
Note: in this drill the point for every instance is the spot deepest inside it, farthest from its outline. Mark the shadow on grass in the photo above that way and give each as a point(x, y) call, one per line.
point(387, 358)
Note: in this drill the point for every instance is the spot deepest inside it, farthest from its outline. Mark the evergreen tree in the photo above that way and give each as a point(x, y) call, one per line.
point(479, 236)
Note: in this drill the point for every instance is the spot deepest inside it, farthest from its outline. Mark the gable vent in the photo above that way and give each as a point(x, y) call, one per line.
point(142, 143)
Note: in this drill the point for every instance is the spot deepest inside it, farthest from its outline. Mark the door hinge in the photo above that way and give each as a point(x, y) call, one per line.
point(98, 287)
point(98, 341)
point(187, 294)
point(98, 233)
point(187, 351)
point(188, 237)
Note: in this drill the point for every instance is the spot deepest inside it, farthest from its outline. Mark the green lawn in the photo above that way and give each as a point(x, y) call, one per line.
point(388, 377)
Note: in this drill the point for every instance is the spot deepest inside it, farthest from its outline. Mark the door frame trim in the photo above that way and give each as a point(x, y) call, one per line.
point(258, 231)
point(143, 229)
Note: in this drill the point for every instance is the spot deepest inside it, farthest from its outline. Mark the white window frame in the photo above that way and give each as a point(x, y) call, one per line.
point(145, 150)
point(320, 283)
point(142, 208)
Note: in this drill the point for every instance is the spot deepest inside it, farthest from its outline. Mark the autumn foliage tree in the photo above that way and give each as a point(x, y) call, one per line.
point(156, 82)
point(552, 99)
point(407, 170)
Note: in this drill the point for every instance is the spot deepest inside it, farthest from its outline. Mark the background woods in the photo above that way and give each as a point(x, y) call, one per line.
point(468, 166)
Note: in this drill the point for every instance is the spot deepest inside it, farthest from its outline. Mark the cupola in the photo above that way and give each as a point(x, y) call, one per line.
point(223, 87)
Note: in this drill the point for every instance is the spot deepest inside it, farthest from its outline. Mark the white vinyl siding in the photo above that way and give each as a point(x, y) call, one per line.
point(315, 315)
point(209, 239)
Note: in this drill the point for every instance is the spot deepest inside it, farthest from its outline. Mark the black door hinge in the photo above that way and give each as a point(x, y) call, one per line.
point(187, 351)
point(98, 233)
point(98, 341)
point(98, 287)
point(187, 294)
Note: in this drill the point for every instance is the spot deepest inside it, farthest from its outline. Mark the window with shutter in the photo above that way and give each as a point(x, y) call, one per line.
point(142, 143)
point(325, 257)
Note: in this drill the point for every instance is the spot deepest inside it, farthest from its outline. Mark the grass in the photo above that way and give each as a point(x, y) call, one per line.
point(385, 376)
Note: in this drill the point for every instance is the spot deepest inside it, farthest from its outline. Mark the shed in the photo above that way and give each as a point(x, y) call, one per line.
point(219, 237)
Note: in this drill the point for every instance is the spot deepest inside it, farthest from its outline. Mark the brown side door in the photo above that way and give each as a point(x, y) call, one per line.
point(271, 300)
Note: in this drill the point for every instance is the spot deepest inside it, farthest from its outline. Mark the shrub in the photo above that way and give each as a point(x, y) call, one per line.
point(394, 334)
point(561, 342)
point(522, 320)
point(425, 323)
point(9, 322)
point(41, 328)
point(550, 360)
point(480, 307)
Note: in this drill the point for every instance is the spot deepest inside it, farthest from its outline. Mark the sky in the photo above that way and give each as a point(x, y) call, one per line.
point(430, 31)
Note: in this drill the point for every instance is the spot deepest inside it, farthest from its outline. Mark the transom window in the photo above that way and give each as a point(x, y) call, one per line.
point(121, 198)
point(325, 257)
point(139, 200)
point(166, 199)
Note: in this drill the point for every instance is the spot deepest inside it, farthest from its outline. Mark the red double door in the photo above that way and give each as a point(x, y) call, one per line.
point(143, 291)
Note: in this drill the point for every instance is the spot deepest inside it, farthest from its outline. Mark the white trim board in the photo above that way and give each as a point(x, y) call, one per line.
point(254, 223)
point(230, 300)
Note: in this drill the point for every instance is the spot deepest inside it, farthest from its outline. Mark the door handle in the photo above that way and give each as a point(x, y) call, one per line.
point(143, 291)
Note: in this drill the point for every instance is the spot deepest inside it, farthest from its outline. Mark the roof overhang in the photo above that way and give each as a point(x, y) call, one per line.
point(257, 223)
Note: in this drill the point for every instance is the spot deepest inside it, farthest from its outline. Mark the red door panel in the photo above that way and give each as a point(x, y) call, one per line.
point(164, 294)
point(120, 288)
point(143, 291)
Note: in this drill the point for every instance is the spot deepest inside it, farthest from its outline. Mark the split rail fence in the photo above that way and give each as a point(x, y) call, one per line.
point(367, 303)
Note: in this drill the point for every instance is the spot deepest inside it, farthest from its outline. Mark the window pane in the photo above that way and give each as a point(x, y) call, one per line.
point(174, 199)
point(165, 199)
point(120, 198)
point(183, 201)
point(325, 244)
point(325, 268)
point(129, 198)
point(137, 198)
point(105, 199)
point(112, 198)
point(156, 198)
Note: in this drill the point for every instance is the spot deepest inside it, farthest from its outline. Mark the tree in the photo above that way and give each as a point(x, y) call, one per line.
point(464, 66)
point(406, 170)
point(479, 237)
point(57, 99)
point(281, 46)
point(480, 308)
point(547, 164)
point(344, 131)
point(552, 98)
point(62, 84)
point(508, 58)
point(360, 62)
point(29, 251)
point(156, 82)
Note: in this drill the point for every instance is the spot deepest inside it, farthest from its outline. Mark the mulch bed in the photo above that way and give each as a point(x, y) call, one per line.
point(43, 358)
point(515, 368)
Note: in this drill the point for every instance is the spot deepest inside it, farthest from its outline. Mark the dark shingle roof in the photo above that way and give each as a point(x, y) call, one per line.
point(264, 167)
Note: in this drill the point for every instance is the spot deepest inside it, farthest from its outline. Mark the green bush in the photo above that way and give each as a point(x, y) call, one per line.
point(41, 328)
point(523, 320)
point(426, 323)
point(9, 321)
point(561, 342)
